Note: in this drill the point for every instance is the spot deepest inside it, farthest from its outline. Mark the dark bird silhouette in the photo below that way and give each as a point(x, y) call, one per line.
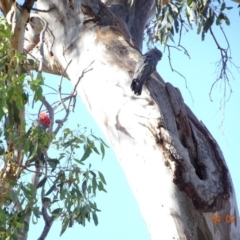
point(144, 68)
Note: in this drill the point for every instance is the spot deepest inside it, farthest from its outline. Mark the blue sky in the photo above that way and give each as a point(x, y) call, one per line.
point(120, 217)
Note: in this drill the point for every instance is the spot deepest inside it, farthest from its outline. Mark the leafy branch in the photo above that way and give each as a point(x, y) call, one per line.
point(65, 189)
point(179, 16)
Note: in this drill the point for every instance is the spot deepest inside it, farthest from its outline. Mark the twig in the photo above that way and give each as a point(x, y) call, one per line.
point(60, 87)
point(173, 70)
point(223, 62)
point(180, 37)
point(48, 220)
point(73, 95)
point(46, 85)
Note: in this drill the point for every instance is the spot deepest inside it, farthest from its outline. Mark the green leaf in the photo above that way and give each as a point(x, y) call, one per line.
point(77, 191)
point(101, 187)
point(95, 150)
point(94, 206)
point(30, 62)
point(103, 143)
point(94, 185)
point(102, 150)
point(199, 28)
point(84, 186)
point(93, 173)
point(33, 221)
point(2, 66)
point(78, 161)
point(227, 20)
point(94, 137)
point(51, 189)
point(2, 150)
point(27, 193)
point(34, 151)
point(223, 6)
point(53, 162)
point(222, 17)
point(102, 177)
point(95, 218)
point(63, 193)
point(203, 35)
point(26, 226)
point(38, 94)
point(64, 225)
point(71, 221)
point(36, 212)
point(209, 22)
point(68, 143)
point(86, 154)
point(84, 210)
point(56, 211)
point(176, 25)
point(42, 182)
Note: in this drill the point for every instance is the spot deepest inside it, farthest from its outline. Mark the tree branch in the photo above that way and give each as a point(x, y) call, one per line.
point(140, 12)
point(174, 70)
point(72, 96)
point(28, 4)
point(5, 6)
point(223, 65)
point(48, 220)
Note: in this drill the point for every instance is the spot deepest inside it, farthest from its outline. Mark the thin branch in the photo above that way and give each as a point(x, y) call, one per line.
point(28, 4)
point(72, 96)
point(173, 70)
point(60, 87)
point(180, 37)
point(222, 63)
point(48, 220)
point(46, 85)
point(57, 103)
point(226, 39)
point(170, 61)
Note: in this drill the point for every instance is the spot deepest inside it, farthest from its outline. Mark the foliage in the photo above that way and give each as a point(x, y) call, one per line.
point(174, 18)
point(66, 184)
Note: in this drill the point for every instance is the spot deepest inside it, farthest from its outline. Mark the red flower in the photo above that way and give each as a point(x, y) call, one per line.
point(44, 119)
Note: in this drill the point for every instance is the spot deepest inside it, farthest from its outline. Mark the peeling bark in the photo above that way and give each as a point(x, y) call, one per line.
point(174, 166)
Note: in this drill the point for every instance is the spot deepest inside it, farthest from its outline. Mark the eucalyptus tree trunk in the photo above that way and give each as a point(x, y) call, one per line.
point(173, 165)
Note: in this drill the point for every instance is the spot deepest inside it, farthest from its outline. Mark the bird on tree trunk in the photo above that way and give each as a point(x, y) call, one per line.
point(144, 68)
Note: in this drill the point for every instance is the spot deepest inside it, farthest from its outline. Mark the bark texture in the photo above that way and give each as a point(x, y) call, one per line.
point(174, 166)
